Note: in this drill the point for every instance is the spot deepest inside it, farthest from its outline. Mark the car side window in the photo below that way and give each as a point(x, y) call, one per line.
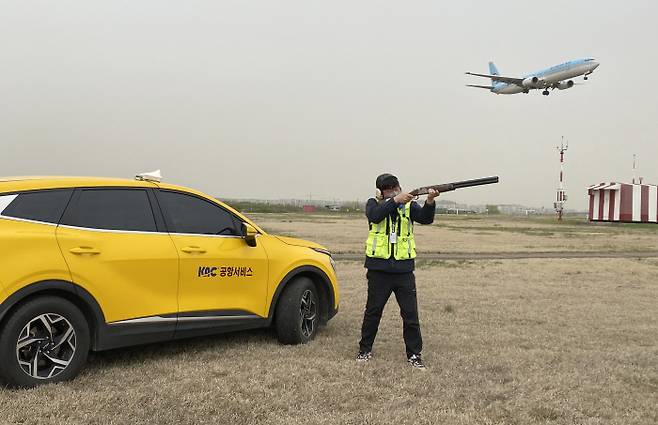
point(112, 209)
point(190, 214)
point(42, 205)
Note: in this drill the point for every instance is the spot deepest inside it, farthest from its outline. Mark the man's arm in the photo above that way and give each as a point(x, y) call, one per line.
point(424, 214)
point(378, 211)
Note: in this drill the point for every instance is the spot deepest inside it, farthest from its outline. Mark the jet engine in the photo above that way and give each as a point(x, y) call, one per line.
point(532, 82)
point(563, 85)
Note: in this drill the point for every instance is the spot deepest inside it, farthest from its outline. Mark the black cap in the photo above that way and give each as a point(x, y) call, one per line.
point(386, 181)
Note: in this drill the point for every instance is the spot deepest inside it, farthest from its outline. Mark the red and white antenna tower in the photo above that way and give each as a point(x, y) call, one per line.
point(561, 196)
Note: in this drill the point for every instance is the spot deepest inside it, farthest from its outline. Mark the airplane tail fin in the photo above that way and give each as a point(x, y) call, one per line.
point(492, 69)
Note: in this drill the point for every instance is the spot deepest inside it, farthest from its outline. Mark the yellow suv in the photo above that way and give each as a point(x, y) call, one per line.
point(97, 263)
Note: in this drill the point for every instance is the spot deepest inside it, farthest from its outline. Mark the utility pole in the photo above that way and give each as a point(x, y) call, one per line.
point(636, 180)
point(561, 196)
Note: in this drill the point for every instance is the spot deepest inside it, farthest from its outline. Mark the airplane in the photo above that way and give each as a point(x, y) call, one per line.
point(556, 77)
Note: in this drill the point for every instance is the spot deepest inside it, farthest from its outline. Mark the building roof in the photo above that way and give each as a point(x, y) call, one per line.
point(614, 186)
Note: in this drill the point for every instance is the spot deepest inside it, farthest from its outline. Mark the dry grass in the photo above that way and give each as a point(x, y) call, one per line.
point(346, 233)
point(514, 342)
point(507, 342)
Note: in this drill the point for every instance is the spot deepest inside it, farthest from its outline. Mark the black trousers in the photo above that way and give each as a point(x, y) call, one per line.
point(380, 287)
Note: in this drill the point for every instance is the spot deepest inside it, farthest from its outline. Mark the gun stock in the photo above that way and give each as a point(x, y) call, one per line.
point(448, 187)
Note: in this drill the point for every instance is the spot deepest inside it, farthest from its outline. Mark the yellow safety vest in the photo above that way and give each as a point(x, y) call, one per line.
point(379, 243)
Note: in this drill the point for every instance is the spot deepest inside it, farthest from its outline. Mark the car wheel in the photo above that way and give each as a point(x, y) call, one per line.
point(297, 312)
point(45, 340)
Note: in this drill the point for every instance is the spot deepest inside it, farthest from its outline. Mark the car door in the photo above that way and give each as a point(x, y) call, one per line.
point(116, 251)
point(219, 273)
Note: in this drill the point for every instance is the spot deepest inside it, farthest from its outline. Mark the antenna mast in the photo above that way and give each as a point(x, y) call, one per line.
point(561, 196)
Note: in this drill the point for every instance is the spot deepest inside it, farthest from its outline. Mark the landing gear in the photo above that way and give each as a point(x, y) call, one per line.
point(545, 93)
point(585, 78)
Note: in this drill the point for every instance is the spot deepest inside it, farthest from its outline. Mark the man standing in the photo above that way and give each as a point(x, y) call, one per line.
point(390, 253)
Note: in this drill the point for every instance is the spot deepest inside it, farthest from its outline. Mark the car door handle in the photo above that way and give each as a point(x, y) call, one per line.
point(82, 250)
point(193, 250)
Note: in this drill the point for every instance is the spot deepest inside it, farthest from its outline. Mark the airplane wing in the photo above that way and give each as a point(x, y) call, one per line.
point(480, 87)
point(508, 80)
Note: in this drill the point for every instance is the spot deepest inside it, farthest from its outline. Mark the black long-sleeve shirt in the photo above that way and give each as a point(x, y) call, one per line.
point(376, 212)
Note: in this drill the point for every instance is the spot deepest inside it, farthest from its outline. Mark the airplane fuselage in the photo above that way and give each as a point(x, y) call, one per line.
point(550, 77)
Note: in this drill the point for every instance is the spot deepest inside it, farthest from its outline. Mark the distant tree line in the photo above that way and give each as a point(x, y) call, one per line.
point(492, 209)
point(351, 207)
point(261, 207)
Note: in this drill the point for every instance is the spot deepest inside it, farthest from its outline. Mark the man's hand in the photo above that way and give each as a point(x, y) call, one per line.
point(431, 194)
point(403, 198)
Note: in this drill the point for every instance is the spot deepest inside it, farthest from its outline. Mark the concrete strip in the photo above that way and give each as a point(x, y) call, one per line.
point(509, 255)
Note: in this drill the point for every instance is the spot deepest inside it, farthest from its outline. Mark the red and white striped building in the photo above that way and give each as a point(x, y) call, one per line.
point(629, 203)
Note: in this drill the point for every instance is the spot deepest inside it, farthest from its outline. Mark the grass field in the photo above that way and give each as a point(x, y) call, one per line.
point(506, 342)
point(345, 233)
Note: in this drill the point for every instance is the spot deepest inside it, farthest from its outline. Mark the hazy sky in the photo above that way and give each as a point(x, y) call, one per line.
point(280, 99)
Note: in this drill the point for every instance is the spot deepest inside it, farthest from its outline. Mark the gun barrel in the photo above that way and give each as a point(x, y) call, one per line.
point(476, 182)
point(447, 187)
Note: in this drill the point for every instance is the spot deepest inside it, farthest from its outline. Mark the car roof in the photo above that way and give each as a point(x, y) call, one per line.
point(51, 182)
point(44, 182)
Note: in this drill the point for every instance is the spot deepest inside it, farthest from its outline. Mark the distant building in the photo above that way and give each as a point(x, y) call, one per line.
point(309, 208)
point(511, 209)
point(450, 207)
point(622, 202)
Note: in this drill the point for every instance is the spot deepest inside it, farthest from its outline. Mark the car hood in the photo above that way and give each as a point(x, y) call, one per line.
point(299, 242)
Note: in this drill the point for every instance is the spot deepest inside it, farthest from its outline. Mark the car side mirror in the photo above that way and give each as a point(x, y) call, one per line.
point(249, 234)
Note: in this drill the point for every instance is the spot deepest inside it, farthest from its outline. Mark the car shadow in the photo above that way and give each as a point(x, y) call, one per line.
point(226, 342)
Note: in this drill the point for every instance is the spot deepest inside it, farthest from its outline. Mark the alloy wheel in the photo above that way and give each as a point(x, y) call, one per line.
point(308, 312)
point(46, 346)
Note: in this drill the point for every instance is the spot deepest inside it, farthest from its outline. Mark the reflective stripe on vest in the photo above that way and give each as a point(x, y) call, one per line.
point(374, 239)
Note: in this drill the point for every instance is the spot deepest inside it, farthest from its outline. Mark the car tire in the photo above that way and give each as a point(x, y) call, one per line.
point(47, 332)
point(298, 312)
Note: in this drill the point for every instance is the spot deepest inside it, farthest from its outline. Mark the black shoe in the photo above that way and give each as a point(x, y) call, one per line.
point(416, 362)
point(363, 356)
